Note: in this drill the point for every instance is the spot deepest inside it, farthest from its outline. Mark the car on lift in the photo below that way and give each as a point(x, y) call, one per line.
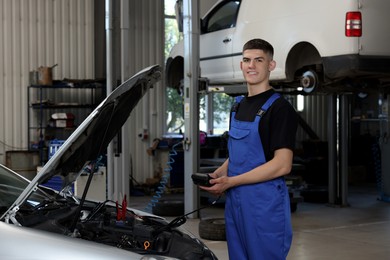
point(319, 45)
point(37, 222)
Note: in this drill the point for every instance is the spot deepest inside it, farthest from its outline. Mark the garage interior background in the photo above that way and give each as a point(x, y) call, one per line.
point(71, 35)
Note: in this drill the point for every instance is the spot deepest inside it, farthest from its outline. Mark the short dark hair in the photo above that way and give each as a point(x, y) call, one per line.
point(259, 44)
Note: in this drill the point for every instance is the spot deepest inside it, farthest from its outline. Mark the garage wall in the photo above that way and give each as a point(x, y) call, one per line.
point(145, 48)
point(38, 33)
point(71, 33)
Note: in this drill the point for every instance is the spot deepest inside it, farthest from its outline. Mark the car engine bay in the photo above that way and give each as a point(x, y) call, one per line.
point(112, 224)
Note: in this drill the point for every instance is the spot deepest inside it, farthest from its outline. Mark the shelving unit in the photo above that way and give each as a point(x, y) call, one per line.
point(74, 98)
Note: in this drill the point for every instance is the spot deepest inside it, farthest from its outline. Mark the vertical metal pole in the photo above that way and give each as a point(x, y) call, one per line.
point(191, 104)
point(125, 156)
point(109, 86)
point(41, 139)
point(210, 111)
point(332, 148)
point(344, 141)
point(383, 180)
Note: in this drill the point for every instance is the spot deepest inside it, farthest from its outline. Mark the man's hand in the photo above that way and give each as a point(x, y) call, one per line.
point(219, 179)
point(219, 187)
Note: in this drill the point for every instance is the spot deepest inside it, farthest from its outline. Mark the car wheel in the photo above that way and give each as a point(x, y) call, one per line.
point(212, 229)
point(169, 208)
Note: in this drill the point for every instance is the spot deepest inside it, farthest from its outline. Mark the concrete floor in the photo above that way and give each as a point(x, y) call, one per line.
point(359, 232)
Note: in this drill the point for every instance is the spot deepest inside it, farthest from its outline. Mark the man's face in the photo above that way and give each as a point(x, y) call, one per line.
point(256, 66)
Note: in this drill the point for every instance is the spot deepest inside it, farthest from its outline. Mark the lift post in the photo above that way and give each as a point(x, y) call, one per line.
point(338, 118)
point(191, 24)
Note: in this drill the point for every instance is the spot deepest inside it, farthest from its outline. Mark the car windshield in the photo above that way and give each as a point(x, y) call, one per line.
point(12, 185)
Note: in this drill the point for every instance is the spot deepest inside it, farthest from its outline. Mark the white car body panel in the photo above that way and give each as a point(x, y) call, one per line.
point(286, 24)
point(36, 244)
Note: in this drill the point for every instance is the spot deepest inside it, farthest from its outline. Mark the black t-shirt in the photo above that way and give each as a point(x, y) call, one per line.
point(278, 125)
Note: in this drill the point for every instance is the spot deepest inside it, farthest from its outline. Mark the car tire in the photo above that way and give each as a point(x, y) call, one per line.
point(169, 208)
point(212, 229)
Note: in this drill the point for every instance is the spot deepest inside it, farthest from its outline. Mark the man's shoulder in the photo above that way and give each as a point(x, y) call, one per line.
point(283, 108)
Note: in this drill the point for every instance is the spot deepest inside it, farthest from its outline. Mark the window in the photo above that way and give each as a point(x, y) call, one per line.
point(222, 18)
point(220, 112)
point(175, 102)
point(214, 108)
point(172, 35)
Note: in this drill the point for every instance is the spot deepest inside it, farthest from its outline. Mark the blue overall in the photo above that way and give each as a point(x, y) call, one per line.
point(257, 216)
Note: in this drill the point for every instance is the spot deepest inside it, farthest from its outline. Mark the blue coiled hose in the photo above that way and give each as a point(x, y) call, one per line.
point(164, 179)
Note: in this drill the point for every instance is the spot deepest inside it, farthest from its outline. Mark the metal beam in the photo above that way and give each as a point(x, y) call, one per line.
point(344, 147)
point(191, 24)
point(124, 159)
point(338, 142)
point(332, 148)
point(109, 10)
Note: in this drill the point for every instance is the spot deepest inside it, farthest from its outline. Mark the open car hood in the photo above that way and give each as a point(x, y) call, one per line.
point(92, 137)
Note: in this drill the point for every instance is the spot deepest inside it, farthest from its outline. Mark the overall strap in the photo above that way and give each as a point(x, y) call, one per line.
point(267, 104)
point(237, 103)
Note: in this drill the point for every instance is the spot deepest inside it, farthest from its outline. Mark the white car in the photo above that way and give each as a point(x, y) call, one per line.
point(318, 43)
point(37, 222)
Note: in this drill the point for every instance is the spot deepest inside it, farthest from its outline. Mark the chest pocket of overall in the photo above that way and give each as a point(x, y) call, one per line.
point(238, 145)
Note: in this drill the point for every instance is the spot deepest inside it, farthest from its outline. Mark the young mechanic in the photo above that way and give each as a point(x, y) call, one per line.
point(261, 141)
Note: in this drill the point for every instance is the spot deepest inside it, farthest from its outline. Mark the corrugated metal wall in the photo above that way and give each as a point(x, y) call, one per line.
point(39, 33)
point(146, 48)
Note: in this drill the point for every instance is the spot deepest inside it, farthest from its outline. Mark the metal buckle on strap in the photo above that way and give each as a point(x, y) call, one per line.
point(235, 107)
point(261, 112)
